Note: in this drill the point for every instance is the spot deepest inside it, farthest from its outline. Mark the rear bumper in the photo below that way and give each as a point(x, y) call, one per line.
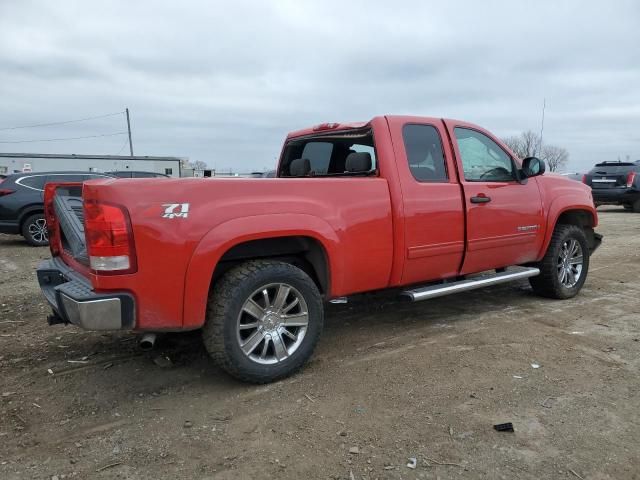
point(615, 195)
point(9, 227)
point(73, 300)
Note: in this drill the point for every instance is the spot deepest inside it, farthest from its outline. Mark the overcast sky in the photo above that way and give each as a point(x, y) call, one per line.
point(223, 82)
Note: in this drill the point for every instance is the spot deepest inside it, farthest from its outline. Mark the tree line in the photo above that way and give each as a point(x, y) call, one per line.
point(529, 144)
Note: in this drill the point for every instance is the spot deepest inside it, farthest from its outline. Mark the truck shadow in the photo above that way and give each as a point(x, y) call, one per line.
point(367, 318)
point(131, 379)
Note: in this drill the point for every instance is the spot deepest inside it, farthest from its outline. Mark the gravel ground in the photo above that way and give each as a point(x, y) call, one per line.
point(390, 381)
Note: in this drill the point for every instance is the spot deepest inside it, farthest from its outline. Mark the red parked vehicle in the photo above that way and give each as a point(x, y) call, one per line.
point(423, 205)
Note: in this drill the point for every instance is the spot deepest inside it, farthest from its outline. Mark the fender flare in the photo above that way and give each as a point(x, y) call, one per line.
point(560, 205)
point(228, 234)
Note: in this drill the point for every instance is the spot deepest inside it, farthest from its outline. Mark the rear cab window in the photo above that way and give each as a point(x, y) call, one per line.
point(341, 153)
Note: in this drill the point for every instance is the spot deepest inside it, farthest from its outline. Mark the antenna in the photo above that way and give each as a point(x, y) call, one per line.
point(544, 104)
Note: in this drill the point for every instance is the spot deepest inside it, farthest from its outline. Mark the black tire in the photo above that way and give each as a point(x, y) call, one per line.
point(636, 206)
point(225, 307)
point(548, 283)
point(32, 230)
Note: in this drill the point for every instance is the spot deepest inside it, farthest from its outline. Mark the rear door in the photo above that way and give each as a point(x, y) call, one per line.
point(504, 218)
point(432, 200)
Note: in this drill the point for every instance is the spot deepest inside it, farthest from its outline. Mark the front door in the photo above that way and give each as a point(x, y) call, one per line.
point(505, 221)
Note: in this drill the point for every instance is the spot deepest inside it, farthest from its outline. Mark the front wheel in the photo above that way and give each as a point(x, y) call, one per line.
point(264, 319)
point(563, 270)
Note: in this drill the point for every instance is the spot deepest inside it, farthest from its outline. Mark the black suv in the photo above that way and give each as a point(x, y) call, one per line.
point(22, 202)
point(616, 183)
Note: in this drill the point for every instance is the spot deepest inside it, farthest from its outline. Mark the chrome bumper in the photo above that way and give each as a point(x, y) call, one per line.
point(73, 300)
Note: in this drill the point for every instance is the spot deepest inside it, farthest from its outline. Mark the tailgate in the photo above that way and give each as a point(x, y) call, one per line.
point(611, 175)
point(63, 202)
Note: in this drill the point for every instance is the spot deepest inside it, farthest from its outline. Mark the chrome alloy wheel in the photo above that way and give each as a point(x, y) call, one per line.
point(570, 263)
point(38, 231)
point(272, 323)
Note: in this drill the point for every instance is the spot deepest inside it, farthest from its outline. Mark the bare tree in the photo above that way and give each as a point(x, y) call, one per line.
point(528, 144)
point(524, 145)
point(198, 165)
point(555, 157)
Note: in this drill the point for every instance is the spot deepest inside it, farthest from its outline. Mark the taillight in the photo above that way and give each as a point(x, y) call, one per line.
point(584, 178)
point(5, 191)
point(50, 218)
point(630, 179)
point(109, 237)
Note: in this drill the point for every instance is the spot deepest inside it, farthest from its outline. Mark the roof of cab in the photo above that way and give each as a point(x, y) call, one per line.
point(337, 127)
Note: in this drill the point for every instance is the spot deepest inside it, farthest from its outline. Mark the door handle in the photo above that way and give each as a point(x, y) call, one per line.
point(481, 198)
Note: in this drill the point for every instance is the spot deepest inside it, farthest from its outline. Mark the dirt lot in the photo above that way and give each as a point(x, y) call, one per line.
point(389, 381)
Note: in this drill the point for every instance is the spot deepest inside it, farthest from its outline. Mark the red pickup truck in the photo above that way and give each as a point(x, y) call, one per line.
point(425, 206)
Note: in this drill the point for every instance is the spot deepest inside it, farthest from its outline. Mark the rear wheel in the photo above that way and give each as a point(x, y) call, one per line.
point(264, 319)
point(636, 206)
point(34, 230)
point(563, 270)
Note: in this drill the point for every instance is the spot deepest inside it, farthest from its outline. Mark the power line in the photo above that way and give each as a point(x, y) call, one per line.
point(62, 123)
point(122, 147)
point(68, 138)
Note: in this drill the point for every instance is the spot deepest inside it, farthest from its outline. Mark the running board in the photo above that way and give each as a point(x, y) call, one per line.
point(480, 281)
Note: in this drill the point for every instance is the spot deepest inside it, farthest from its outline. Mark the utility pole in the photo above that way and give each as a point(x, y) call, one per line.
point(129, 130)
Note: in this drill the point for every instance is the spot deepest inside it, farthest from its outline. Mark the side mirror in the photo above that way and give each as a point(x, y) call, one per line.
point(533, 166)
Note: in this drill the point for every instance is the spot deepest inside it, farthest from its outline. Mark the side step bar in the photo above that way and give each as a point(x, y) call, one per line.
point(480, 281)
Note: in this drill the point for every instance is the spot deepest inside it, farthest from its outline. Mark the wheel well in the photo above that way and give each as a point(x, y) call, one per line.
point(584, 220)
point(581, 218)
point(26, 215)
point(305, 253)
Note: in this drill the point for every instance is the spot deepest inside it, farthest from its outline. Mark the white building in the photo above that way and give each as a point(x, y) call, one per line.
point(37, 162)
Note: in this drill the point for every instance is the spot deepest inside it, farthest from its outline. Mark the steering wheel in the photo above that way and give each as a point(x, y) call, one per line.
point(499, 172)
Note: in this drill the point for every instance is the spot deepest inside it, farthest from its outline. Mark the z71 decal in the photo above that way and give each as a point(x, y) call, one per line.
point(171, 212)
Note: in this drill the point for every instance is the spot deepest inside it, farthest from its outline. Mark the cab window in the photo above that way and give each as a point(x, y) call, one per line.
point(482, 159)
point(424, 153)
point(336, 154)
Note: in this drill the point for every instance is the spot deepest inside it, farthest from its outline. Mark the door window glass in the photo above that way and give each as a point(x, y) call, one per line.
point(482, 159)
point(424, 153)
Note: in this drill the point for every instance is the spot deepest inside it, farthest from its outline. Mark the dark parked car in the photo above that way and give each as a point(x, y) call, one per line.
point(615, 183)
point(137, 174)
point(21, 202)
